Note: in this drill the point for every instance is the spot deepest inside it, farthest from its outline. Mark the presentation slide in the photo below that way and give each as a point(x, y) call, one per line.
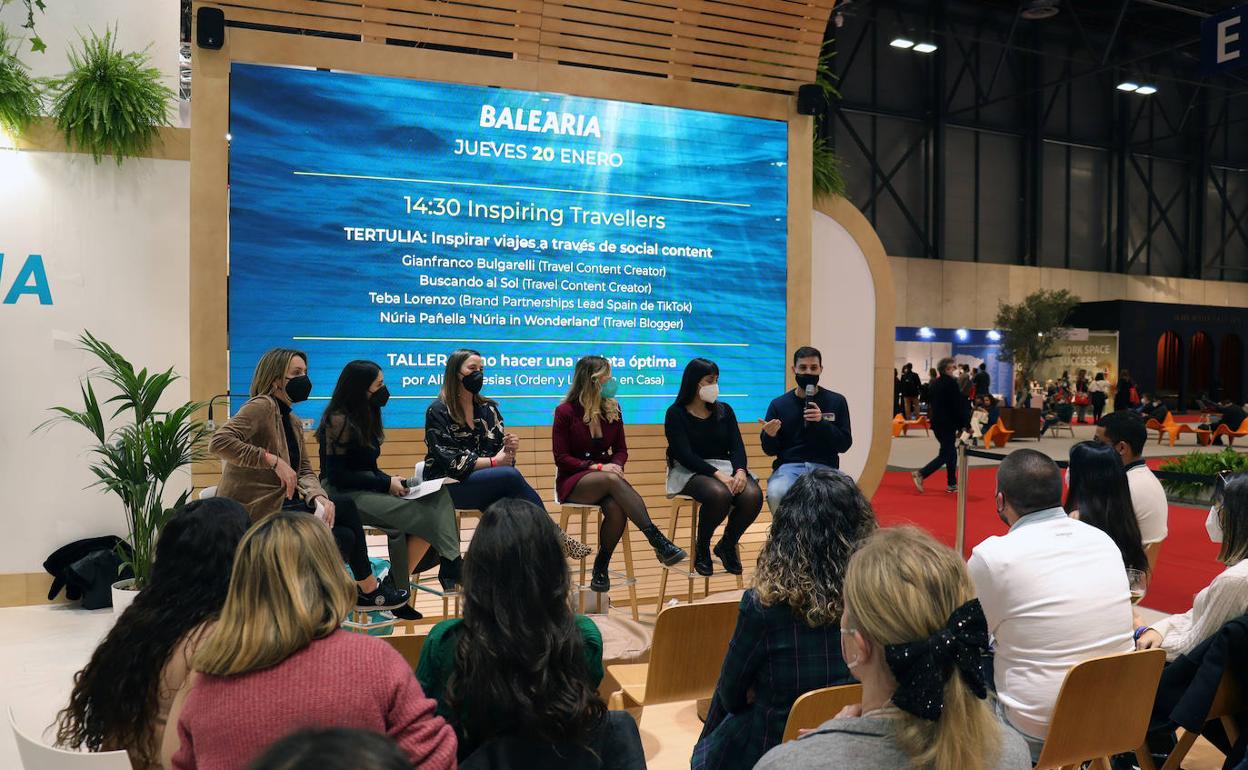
point(396, 220)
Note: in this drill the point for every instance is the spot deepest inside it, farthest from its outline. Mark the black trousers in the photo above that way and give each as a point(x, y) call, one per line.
point(947, 457)
point(348, 533)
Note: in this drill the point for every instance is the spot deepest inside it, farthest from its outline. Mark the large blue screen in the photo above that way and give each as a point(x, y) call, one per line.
point(396, 220)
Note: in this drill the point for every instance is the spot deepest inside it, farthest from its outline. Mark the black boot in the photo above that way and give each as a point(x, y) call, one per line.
point(451, 573)
point(427, 562)
point(702, 559)
point(600, 579)
point(668, 553)
point(727, 553)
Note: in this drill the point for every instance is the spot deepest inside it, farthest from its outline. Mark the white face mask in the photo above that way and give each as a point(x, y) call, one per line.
point(1213, 525)
point(709, 393)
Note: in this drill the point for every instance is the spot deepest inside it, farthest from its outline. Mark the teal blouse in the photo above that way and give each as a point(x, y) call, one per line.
point(437, 659)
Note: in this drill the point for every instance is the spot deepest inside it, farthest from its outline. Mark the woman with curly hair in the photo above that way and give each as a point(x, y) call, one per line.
point(518, 674)
point(121, 699)
point(790, 616)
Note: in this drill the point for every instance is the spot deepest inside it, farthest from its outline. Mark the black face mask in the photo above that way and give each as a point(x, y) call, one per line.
point(807, 379)
point(299, 388)
point(474, 382)
point(379, 397)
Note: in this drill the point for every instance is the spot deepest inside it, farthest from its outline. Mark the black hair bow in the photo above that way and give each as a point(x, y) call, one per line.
point(923, 668)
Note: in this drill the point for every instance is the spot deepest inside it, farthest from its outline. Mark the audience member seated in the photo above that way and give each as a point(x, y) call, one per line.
point(590, 451)
point(1053, 590)
point(787, 639)
point(261, 446)
point(706, 460)
point(337, 748)
point(350, 437)
point(913, 633)
point(1231, 415)
point(1100, 495)
point(1125, 432)
point(804, 433)
point(1223, 599)
point(468, 443)
point(520, 664)
point(1152, 408)
point(1059, 410)
point(276, 661)
point(121, 699)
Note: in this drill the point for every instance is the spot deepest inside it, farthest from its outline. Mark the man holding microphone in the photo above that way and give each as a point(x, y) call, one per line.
point(805, 429)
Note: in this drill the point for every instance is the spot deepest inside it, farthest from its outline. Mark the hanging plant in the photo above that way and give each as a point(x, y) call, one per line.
point(36, 43)
point(826, 177)
point(19, 94)
point(110, 102)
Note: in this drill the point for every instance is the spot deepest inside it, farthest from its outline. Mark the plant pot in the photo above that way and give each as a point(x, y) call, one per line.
point(124, 593)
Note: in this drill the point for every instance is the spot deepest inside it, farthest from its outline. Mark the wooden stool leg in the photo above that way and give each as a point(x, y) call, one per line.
point(628, 571)
point(676, 505)
point(694, 510)
point(584, 539)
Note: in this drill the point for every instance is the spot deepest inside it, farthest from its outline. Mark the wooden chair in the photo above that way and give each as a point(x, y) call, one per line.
point(449, 598)
point(690, 643)
point(998, 434)
point(679, 502)
point(1228, 703)
point(586, 512)
point(1153, 552)
point(408, 642)
point(1102, 710)
point(1061, 425)
point(818, 706)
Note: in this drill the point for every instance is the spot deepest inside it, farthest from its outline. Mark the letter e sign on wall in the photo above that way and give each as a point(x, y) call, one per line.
point(1224, 40)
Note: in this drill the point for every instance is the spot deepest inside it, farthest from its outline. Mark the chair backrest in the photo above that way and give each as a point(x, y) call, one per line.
point(818, 706)
point(1103, 708)
point(208, 492)
point(1153, 551)
point(1229, 700)
point(690, 643)
point(37, 756)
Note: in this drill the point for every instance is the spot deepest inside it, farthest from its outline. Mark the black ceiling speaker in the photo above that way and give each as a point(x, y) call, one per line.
point(210, 28)
point(810, 99)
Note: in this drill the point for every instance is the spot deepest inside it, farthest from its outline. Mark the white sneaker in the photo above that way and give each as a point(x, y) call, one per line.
point(917, 478)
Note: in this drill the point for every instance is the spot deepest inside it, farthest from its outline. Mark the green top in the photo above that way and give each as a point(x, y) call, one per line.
point(437, 658)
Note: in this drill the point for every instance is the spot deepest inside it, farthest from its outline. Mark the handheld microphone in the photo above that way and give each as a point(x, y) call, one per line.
point(810, 395)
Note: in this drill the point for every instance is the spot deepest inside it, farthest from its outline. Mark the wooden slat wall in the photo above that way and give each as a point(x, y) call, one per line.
point(646, 470)
point(766, 44)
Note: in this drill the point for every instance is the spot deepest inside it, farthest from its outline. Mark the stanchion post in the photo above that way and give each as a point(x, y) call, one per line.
point(963, 477)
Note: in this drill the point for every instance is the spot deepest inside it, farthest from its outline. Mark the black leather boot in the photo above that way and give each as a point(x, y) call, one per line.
point(727, 553)
point(600, 579)
point(702, 559)
point(451, 573)
point(667, 552)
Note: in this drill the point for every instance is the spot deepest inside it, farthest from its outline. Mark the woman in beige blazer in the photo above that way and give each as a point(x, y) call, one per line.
point(265, 466)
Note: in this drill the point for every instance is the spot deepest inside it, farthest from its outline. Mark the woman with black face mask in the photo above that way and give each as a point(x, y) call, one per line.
point(350, 437)
point(467, 442)
point(265, 466)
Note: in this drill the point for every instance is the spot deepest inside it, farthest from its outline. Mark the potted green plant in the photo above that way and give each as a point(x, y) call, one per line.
point(19, 93)
point(36, 43)
point(110, 102)
point(1208, 464)
point(136, 459)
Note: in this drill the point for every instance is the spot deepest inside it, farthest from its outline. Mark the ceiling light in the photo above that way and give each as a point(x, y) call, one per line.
point(926, 333)
point(1128, 86)
point(924, 48)
point(962, 334)
point(1146, 90)
point(994, 335)
point(901, 42)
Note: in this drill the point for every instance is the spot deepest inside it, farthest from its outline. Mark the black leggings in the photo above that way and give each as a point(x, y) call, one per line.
point(619, 502)
point(348, 533)
point(718, 504)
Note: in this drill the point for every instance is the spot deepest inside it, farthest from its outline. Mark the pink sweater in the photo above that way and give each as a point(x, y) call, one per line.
point(343, 680)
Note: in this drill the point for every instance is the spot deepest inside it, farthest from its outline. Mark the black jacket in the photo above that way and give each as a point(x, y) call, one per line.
point(910, 385)
point(983, 382)
point(948, 410)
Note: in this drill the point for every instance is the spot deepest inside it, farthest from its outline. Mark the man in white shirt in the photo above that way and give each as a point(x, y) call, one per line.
point(1125, 432)
point(1054, 592)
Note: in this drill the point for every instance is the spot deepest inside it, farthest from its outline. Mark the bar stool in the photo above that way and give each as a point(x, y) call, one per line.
point(434, 587)
point(584, 510)
point(695, 508)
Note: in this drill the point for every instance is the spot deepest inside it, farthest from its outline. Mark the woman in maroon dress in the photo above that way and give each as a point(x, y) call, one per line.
point(590, 452)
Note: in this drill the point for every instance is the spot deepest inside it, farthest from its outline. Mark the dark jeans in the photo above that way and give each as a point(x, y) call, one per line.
point(489, 485)
point(948, 457)
point(348, 533)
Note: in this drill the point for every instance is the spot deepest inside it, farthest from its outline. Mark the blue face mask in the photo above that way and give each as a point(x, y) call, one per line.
point(610, 387)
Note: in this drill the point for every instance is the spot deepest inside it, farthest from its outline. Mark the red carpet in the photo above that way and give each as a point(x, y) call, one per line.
point(1188, 560)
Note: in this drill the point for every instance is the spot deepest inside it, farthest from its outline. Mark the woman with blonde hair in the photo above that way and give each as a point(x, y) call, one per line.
point(914, 634)
point(787, 640)
point(277, 662)
point(590, 451)
point(266, 467)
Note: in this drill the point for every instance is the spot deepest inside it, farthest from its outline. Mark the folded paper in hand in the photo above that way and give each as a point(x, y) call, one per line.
point(424, 488)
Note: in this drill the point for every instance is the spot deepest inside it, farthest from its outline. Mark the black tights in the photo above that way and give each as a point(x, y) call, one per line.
point(348, 533)
point(718, 504)
point(620, 503)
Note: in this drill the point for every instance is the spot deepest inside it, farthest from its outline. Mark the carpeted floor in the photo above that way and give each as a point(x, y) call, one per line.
point(1188, 559)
